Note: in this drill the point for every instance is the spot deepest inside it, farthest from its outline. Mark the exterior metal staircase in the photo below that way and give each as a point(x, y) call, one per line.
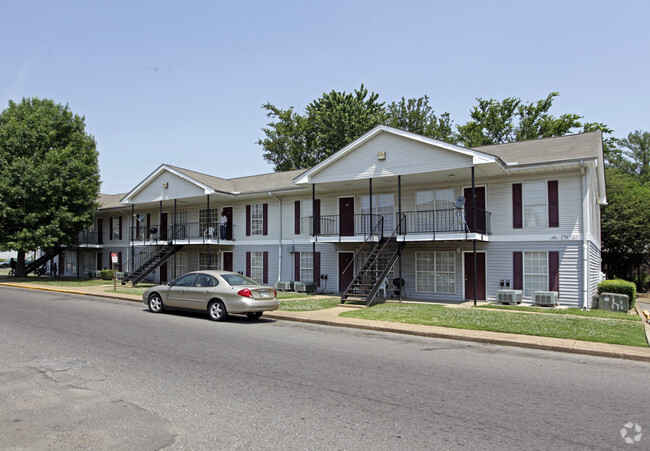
point(42, 260)
point(147, 261)
point(373, 271)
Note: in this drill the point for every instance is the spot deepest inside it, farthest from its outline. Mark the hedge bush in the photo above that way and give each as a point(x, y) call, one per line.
point(106, 274)
point(619, 286)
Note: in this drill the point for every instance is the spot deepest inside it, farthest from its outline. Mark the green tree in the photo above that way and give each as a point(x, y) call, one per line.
point(510, 120)
point(49, 177)
point(331, 122)
point(417, 116)
point(635, 151)
point(624, 226)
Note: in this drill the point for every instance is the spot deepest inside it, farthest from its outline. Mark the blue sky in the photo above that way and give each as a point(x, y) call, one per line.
point(183, 82)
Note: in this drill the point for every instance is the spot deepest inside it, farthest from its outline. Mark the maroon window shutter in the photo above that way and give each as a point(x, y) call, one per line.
point(296, 266)
point(554, 271)
point(553, 204)
point(248, 264)
point(265, 269)
point(265, 219)
point(518, 270)
point(248, 220)
point(316, 216)
point(317, 268)
point(110, 228)
point(119, 261)
point(517, 216)
point(296, 217)
point(120, 227)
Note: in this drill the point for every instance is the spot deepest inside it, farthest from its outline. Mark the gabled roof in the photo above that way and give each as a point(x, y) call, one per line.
point(110, 200)
point(548, 150)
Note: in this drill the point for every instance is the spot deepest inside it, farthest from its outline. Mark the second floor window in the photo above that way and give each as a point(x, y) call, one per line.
point(383, 205)
point(535, 204)
point(257, 219)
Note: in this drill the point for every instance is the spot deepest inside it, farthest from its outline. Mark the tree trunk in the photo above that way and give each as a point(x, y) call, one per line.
point(20, 264)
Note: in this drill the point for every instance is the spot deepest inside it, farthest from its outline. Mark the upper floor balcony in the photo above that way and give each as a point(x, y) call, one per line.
point(452, 223)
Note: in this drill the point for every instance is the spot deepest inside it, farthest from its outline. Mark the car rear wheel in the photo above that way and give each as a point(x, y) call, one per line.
point(155, 303)
point(217, 311)
point(254, 315)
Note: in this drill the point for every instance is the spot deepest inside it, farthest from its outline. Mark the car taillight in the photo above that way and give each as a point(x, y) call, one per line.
point(275, 293)
point(245, 292)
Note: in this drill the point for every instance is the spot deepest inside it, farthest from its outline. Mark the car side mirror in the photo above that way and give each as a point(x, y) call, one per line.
point(171, 284)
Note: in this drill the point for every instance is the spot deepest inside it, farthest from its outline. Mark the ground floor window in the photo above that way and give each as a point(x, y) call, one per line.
point(435, 272)
point(181, 263)
point(208, 260)
point(257, 266)
point(71, 263)
point(535, 272)
point(306, 266)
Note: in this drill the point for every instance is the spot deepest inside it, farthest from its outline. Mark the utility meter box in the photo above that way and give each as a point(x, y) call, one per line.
point(614, 302)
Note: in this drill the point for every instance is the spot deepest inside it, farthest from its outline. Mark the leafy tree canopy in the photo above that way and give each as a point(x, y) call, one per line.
point(49, 176)
point(632, 155)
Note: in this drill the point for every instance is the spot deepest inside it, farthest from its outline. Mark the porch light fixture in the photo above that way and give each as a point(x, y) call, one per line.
point(381, 156)
point(165, 185)
point(451, 176)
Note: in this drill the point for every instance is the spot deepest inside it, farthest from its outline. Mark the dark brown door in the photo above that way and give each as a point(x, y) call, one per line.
point(469, 275)
point(100, 231)
point(99, 261)
point(346, 273)
point(163, 273)
point(228, 214)
point(163, 227)
point(346, 216)
point(227, 261)
point(480, 209)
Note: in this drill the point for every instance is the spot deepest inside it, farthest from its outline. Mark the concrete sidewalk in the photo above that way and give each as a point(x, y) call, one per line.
point(330, 317)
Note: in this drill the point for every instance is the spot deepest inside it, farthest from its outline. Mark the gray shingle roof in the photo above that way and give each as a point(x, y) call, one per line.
point(110, 200)
point(547, 150)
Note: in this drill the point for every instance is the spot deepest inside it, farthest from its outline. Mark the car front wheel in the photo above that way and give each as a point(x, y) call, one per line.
point(217, 311)
point(155, 303)
point(254, 315)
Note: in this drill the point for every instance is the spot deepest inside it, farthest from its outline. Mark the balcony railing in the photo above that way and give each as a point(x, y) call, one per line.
point(191, 232)
point(428, 221)
point(89, 237)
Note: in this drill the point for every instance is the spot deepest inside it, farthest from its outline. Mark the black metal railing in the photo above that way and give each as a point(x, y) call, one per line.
point(185, 233)
point(342, 225)
point(89, 237)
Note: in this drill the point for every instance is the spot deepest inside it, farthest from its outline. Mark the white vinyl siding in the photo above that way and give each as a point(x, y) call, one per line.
point(435, 272)
point(382, 205)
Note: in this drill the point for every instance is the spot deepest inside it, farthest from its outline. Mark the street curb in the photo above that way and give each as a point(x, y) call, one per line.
point(578, 347)
point(486, 340)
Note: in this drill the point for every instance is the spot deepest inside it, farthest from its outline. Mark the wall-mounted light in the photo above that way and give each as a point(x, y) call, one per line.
point(165, 185)
point(381, 156)
point(451, 176)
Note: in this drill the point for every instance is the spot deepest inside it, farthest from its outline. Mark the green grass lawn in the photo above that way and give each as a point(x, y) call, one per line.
point(291, 295)
point(559, 326)
point(308, 304)
point(595, 313)
point(56, 282)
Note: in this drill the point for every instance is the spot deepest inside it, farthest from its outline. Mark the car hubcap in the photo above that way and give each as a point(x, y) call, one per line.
point(155, 304)
point(216, 310)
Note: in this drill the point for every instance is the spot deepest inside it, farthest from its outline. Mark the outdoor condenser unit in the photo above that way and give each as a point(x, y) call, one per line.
point(304, 287)
point(509, 296)
point(285, 286)
point(545, 297)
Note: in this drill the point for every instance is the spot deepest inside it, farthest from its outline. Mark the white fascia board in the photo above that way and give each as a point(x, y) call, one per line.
point(162, 168)
point(515, 167)
point(477, 157)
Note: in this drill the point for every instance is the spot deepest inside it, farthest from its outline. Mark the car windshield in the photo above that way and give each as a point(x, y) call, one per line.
point(238, 279)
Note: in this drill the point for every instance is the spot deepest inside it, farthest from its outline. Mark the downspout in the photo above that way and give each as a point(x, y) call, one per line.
point(585, 244)
point(279, 238)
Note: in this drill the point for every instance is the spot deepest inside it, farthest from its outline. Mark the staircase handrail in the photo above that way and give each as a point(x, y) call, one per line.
point(380, 226)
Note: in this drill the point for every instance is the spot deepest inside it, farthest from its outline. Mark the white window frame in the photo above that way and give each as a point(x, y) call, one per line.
point(214, 222)
point(257, 219)
point(535, 272)
point(535, 204)
point(115, 233)
point(182, 265)
point(257, 266)
point(436, 274)
point(307, 266)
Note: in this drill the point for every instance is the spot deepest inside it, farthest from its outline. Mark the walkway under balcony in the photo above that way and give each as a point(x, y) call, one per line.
point(427, 225)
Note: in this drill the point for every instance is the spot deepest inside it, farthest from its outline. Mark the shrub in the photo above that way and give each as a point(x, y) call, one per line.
point(619, 286)
point(106, 274)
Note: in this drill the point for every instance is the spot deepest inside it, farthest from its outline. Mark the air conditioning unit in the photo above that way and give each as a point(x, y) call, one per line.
point(284, 286)
point(509, 296)
point(304, 287)
point(545, 297)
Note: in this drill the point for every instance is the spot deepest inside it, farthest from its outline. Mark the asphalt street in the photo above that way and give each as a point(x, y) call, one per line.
point(87, 372)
